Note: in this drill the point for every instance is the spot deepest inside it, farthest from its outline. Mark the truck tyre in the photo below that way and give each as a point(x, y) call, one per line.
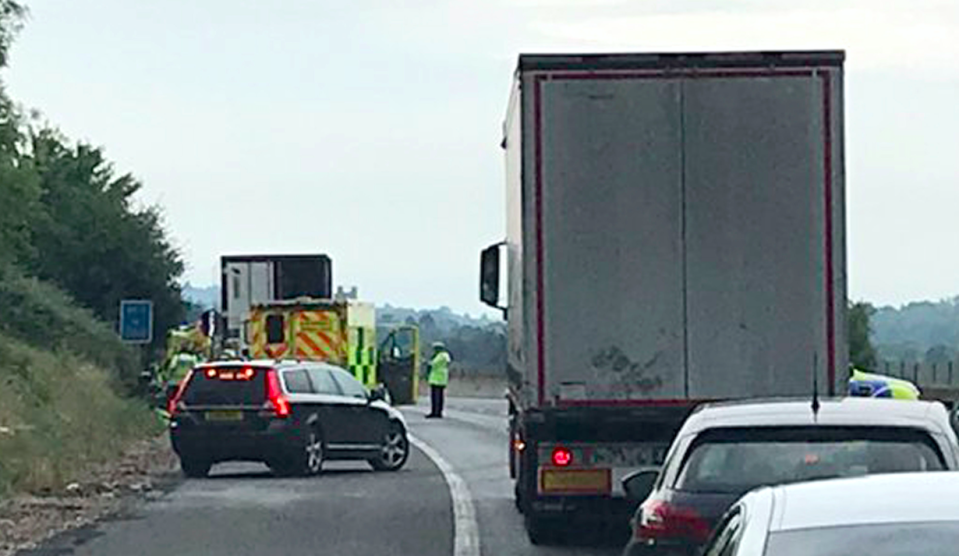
point(525, 486)
point(541, 531)
point(519, 498)
point(195, 468)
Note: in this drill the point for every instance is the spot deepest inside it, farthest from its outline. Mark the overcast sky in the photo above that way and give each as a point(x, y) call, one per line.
point(369, 129)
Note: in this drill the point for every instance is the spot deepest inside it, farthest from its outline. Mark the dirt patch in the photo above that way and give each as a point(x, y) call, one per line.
point(144, 471)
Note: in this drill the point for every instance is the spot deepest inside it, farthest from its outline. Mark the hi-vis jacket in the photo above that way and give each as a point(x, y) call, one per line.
point(439, 369)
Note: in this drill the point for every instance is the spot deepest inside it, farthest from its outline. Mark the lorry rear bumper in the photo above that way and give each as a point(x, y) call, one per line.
point(582, 507)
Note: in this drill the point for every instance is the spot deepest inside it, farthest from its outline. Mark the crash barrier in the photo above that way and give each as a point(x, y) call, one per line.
point(922, 374)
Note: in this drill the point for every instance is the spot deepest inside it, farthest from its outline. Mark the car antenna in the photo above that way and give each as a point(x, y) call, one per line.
point(815, 385)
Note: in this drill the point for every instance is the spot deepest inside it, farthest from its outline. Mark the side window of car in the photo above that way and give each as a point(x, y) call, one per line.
point(297, 382)
point(350, 386)
point(323, 382)
point(727, 536)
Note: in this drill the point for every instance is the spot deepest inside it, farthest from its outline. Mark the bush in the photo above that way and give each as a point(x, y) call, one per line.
point(39, 314)
point(59, 414)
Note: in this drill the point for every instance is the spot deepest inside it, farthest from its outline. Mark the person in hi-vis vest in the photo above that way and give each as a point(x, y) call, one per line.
point(438, 378)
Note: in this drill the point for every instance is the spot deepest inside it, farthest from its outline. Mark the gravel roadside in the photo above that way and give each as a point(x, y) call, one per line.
point(144, 471)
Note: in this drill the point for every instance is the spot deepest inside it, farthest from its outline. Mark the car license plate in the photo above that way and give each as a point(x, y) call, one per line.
point(575, 481)
point(629, 455)
point(229, 416)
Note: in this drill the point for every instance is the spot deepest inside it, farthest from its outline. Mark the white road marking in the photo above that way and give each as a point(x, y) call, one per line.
point(479, 419)
point(465, 527)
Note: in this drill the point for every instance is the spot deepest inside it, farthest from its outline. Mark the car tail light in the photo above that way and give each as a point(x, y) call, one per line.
point(562, 457)
point(174, 402)
point(275, 397)
point(661, 520)
point(230, 374)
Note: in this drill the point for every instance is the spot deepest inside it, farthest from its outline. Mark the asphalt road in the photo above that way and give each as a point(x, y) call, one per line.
point(243, 510)
point(473, 438)
point(349, 510)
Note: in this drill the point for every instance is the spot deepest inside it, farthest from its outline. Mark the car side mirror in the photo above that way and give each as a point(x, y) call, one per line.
point(490, 276)
point(639, 484)
point(377, 394)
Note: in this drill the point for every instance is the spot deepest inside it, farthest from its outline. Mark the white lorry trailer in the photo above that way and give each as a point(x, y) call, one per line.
point(675, 234)
point(246, 280)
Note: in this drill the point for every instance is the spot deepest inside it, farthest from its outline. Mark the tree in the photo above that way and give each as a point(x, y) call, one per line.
point(67, 218)
point(19, 190)
point(861, 351)
point(939, 355)
point(19, 187)
point(92, 240)
point(12, 14)
point(923, 325)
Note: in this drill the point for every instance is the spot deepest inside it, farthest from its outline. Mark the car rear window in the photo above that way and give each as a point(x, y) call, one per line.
point(738, 460)
point(886, 539)
point(228, 385)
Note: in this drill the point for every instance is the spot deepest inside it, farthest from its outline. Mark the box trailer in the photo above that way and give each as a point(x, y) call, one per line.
point(246, 280)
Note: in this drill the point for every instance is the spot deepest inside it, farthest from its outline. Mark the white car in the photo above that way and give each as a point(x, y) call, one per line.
point(879, 515)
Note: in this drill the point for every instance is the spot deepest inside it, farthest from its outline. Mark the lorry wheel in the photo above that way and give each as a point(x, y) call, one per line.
point(519, 499)
point(524, 488)
point(541, 530)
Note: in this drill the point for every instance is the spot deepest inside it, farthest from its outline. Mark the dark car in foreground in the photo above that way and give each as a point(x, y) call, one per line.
point(291, 415)
point(880, 515)
point(724, 450)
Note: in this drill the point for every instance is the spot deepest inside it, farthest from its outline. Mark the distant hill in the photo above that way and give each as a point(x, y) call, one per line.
point(443, 318)
point(477, 344)
point(920, 331)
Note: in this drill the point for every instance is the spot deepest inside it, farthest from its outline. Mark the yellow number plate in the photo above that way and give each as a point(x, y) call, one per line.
point(575, 481)
point(224, 415)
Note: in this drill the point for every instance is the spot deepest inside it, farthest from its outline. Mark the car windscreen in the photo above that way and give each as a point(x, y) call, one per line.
point(886, 539)
point(228, 385)
point(738, 460)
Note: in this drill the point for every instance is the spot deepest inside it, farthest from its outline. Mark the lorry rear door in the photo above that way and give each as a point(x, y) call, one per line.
point(760, 220)
point(607, 226)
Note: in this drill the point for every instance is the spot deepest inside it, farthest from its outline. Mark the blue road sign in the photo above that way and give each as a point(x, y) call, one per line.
point(136, 321)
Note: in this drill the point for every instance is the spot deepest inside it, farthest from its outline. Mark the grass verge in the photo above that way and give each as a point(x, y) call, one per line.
point(41, 315)
point(59, 414)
